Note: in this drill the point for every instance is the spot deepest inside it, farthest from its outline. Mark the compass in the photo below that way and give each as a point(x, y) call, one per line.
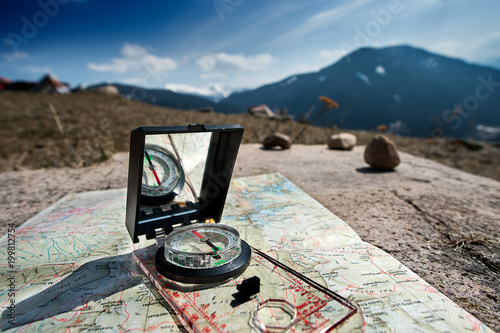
point(203, 253)
point(191, 249)
point(195, 255)
point(162, 176)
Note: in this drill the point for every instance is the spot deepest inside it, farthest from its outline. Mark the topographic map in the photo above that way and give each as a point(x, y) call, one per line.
point(72, 269)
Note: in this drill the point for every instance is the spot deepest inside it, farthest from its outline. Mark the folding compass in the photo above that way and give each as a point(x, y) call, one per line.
point(163, 201)
point(177, 187)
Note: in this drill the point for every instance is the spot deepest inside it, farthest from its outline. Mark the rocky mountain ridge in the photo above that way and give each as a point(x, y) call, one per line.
point(411, 91)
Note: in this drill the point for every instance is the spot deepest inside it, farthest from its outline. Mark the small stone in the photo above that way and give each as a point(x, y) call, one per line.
point(277, 140)
point(381, 153)
point(342, 141)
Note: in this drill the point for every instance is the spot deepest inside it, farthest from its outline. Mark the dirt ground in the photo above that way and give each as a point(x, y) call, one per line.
point(442, 223)
point(86, 128)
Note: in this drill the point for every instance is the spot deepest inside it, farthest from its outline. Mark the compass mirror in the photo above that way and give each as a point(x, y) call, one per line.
point(178, 175)
point(172, 170)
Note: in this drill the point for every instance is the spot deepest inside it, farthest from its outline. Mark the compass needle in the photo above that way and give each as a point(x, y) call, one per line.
point(152, 167)
point(206, 241)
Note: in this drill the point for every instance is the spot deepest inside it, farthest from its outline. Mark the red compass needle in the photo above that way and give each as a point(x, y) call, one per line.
point(209, 243)
point(152, 167)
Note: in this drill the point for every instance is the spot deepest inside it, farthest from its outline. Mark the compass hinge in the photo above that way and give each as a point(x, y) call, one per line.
point(160, 236)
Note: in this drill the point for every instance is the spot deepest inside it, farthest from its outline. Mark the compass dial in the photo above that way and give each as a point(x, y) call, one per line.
point(202, 253)
point(162, 176)
point(202, 247)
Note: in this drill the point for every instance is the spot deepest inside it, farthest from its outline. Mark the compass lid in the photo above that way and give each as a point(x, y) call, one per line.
point(178, 175)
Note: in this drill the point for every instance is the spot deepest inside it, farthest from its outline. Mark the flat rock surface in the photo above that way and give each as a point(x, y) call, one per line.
point(442, 223)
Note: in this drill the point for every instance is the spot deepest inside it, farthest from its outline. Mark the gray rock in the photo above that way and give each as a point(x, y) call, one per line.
point(381, 153)
point(277, 140)
point(395, 211)
point(342, 141)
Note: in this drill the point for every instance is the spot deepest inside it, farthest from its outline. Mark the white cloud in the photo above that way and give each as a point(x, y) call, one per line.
point(221, 63)
point(327, 16)
point(135, 58)
point(36, 69)
point(15, 56)
point(476, 48)
point(449, 47)
point(333, 54)
point(213, 90)
point(212, 76)
point(133, 81)
point(302, 68)
point(319, 22)
point(481, 43)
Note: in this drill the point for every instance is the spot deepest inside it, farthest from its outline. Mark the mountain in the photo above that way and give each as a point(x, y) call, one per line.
point(410, 90)
point(166, 98)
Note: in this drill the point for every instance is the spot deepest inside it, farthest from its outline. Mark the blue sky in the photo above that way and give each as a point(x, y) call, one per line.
point(228, 44)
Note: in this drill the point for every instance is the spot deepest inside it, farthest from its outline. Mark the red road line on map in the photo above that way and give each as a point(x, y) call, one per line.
point(372, 256)
point(283, 239)
point(62, 320)
point(192, 305)
point(426, 288)
point(476, 324)
point(281, 278)
point(128, 314)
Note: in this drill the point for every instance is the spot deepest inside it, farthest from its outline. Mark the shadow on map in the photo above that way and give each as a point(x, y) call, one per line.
point(91, 282)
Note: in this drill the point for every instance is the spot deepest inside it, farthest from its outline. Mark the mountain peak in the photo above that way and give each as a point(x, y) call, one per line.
point(411, 90)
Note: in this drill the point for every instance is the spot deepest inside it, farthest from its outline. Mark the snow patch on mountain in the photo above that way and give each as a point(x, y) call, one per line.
point(212, 91)
point(430, 63)
point(364, 78)
point(380, 70)
point(291, 80)
point(486, 133)
point(398, 127)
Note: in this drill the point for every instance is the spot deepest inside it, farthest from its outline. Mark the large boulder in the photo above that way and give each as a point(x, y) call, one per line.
point(381, 153)
point(342, 141)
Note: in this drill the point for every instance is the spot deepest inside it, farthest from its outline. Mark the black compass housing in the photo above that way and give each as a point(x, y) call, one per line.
point(207, 275)
point(222, 151)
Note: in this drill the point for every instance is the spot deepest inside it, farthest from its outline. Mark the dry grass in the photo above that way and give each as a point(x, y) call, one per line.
point(459, 241)
point(81, 129)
